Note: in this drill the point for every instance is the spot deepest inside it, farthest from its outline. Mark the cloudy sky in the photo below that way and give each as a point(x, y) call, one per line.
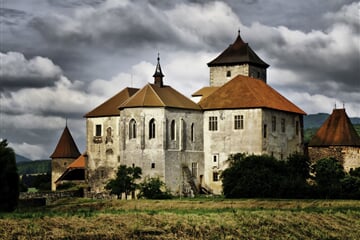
point(60, 59)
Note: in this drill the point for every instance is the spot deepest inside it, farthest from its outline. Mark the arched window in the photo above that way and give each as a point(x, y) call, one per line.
point(132, 129)
point(152, 128)
point(172, 130)
point(192, 133)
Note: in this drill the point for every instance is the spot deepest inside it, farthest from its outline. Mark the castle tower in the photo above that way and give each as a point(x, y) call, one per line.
point(64, 154)
point(336, 138)
point(237, 59)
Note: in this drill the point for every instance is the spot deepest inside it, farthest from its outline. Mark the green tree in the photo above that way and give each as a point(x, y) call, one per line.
point(9, 178)
point(297, 171)
point(253, 176)
point(153, 188)
point(328, 174)
point(124, 181)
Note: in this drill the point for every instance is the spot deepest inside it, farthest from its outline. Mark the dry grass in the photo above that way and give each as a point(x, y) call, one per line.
point(186, 219)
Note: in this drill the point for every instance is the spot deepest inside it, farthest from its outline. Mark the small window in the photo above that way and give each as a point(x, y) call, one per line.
point(228, 73)
point(152, 129)
point(215, 158)
point(213, 124)
point(297, 127)
point(239, 122)
point(152, 165)
point(132, 129)
point(215, 176)
point(273, 123)
point(283, 125)
point(192, 134)
point(98, 130)
point(265, 130)
point(172, 130)
point(194, 167)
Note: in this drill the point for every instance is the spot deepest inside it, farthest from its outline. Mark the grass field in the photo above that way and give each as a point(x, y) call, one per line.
point(208, 218)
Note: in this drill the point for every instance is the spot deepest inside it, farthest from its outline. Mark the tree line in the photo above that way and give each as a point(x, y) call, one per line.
point(264, 176)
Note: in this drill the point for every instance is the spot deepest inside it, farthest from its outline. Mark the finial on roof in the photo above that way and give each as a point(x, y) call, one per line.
point(158, 75)
point(66, 122)
point(239, 32)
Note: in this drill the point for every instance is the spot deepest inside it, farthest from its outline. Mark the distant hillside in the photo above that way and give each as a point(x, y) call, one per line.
point(316, 120)
point(33, 167)
point(20, 158)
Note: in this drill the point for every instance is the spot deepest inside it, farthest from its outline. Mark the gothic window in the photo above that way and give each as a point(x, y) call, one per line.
point(238, 122)
point(172, 130)
point(152, 128)
point(132, 129)
point(192, 133)
point(213, 124)
point(273, 123)
point(283, 125)
point(98, 130)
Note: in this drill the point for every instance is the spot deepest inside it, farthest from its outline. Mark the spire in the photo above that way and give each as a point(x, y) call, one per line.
point(66, 147)
point(158, 75)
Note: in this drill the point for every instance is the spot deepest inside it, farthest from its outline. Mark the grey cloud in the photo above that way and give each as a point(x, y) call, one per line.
point(16, 71)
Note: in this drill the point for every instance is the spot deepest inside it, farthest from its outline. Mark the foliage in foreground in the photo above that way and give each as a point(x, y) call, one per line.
point(265, 176)
point(153, 188)
point(9, 178)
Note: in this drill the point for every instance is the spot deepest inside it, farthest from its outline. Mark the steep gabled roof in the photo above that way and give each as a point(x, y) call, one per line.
point(66, 147)
point(111, 106)
point(153, 95)
point(247, 92)
point(337, 130)
point(238, 53)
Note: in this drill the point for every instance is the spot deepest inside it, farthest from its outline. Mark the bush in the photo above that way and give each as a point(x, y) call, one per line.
point(328, 174)
point(153, 188)
point(253, 176)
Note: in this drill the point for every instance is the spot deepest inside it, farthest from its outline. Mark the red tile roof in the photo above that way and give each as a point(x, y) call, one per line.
point(153, 95)
point(337, 130)
point(66, 147)
point(238, 53)
point(75, 171)
point(111, 106)
point(247, 92)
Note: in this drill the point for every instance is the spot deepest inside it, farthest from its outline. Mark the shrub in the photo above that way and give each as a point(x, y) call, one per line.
point(328, 174)
point(253, 176)
point(153, 188)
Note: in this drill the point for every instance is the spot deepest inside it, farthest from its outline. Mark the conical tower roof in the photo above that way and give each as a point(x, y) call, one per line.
point(66, 147)
point(337, 130)
point(238, 53)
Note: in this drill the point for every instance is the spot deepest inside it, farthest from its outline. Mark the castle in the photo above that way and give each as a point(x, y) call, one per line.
point(187, 142)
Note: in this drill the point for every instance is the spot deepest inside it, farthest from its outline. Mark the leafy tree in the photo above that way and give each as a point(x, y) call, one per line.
point(253, 176)
point(153, 188)
point(355, 172)
point(350, 187)
point(328, 174)
point(9, 178)
point(124, 181)
point(298, 171)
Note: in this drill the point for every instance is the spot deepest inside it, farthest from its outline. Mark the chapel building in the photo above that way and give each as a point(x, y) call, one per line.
point(186, 143)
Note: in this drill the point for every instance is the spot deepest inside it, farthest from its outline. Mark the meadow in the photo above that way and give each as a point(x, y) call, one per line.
point(199, 218)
